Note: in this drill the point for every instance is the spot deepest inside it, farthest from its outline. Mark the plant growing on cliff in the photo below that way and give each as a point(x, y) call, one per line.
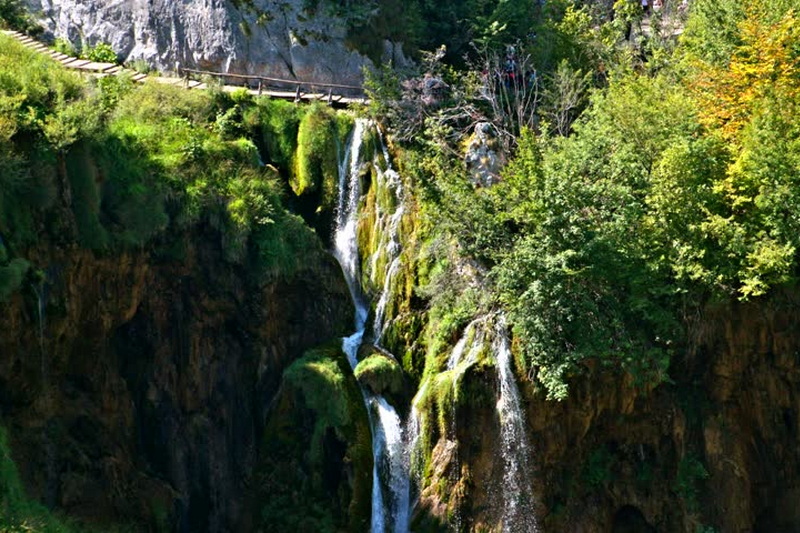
point(691, 473)
point(18, 514)
point(101, 53)
point(316, 153)
point(14, 15)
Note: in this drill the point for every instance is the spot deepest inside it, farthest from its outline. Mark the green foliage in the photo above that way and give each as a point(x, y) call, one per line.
point(323, 386)
point(274, 125)
point(86, 200)
point(691, 473)
point(12, 276)
point(18, 514)
point(317, 156)
point(112, 89)
point(14, 15)
point(320, 406)
point(65, 47)
point(141, 162)
point(101, 53)
point(597, 470)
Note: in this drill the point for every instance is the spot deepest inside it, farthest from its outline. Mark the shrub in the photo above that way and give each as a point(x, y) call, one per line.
point(65, 47)
point(101, 53)
point(14, 15)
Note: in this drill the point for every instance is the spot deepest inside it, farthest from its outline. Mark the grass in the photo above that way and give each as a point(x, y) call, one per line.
point(317, 157)
point(144, 164)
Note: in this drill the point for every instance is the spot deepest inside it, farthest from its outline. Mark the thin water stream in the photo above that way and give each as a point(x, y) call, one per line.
point(390, 490)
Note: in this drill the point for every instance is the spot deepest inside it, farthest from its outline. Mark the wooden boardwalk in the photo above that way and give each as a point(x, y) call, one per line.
point(298, 91)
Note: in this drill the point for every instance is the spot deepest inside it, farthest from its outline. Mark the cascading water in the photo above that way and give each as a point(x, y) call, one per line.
point(389, 226)
point(518, 514)
point(390, 488)
point(490, 332)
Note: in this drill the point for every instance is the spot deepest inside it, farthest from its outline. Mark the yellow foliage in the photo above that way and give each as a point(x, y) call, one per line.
point(765, 65)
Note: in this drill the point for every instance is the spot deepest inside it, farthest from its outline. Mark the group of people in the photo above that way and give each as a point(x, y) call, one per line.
point(659, 4)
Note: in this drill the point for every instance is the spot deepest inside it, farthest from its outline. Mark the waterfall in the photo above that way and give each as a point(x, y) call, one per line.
point(488, 335)
point(518, 512)
point(390, 487)
point(346, 232)
point(389, 226)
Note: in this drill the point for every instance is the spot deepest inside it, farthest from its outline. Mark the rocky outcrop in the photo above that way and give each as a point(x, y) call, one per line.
point(276, 38)
point(718, 447)
point(134, 386)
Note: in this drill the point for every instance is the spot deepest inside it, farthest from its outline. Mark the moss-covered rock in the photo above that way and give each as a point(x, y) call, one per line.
point(380, 374)
point(315, 472)
point(17, 512)
point(316, 152)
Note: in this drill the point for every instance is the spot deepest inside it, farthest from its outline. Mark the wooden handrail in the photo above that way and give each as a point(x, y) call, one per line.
point(185, 71)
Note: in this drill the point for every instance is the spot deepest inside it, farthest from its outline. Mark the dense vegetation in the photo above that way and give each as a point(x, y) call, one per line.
point(673, 183)
point(141, 166)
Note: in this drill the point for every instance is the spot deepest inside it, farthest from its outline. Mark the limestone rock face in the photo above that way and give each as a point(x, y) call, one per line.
point(275, 38)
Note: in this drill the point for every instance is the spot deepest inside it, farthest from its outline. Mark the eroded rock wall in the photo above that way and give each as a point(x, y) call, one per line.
point(275, 38)
point(140, 394)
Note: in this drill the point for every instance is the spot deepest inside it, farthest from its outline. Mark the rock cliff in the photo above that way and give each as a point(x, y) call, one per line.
point(135, 387)
point(276, 38)
point(717, 448)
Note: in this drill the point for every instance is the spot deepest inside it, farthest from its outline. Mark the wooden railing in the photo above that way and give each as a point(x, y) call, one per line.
point(303, 90)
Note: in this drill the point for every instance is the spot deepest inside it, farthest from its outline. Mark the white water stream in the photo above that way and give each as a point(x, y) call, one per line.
point(390, 487)
point(518, 512)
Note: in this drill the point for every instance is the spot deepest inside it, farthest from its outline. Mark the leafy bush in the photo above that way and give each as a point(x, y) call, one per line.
point(101, 53)
point(14, 15)
point(690, 473)
point(65, 47)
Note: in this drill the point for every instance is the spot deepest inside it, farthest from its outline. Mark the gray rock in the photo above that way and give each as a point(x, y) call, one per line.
point(274, 38)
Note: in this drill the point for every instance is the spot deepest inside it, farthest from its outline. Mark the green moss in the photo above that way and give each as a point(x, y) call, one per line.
point(317, 469)
point(323, 386)
point(275, 123)
point(381, 374)
point(12, 276)
point(18, 514)
point(317, 158)
point(83, 179)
